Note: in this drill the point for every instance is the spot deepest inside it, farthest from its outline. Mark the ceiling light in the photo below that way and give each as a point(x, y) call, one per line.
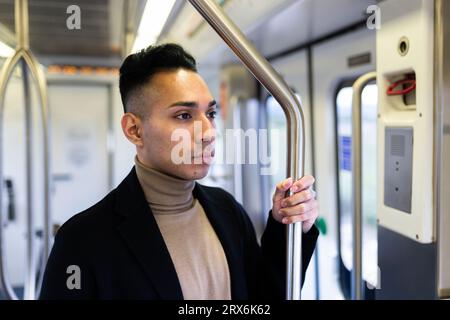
point(153, 19)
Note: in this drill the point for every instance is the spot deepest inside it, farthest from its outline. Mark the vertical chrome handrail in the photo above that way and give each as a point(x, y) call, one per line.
point(30, 274)
point(235, 103)
point(358, 87)
point(271, 80)
point(24, 54)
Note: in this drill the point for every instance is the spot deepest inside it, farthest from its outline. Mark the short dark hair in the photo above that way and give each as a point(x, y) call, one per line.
point(138, 69)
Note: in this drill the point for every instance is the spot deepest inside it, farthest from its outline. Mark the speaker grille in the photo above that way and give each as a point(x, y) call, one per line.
point(398, 145)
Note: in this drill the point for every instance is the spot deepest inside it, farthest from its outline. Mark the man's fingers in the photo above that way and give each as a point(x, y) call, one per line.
point(307, 216)
point(299, 197)
point(282, 187)
point(302, 184)
point(298, 209)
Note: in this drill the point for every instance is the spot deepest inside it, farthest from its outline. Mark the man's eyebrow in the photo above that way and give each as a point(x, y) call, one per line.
point(191, 104)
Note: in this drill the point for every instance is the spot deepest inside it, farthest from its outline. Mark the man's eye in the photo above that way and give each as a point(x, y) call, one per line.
point(184, 116)
point(212, 114)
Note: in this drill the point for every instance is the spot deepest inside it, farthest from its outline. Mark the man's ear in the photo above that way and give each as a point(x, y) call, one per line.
point(132, 128)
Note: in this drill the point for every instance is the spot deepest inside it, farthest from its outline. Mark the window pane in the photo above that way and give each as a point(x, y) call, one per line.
point(369, 153)
point(276, 123)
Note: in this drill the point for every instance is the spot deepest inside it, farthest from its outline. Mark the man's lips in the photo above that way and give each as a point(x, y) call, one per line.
point(205, 158)
point(204, 155)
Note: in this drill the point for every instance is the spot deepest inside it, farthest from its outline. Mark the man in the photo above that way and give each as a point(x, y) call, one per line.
point(159, 234)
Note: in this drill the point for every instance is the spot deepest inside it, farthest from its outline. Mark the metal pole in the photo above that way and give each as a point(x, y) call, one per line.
point(5, 75)
point(30, 267)
point(21, 23)
point(235, 104)
point(358, 86)
point(272, 81)
point(39, 78)
point(22, 31)
point(23, 54)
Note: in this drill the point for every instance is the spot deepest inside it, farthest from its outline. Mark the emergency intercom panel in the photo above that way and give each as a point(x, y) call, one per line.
point(405, 55)
point(398, 153)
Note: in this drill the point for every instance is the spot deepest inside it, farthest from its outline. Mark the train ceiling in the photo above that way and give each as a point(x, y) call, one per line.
point(272, 25)
point(105, 29)
point(108, 27)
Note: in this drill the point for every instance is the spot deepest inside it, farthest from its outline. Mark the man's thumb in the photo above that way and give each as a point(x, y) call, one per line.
point(282, 187)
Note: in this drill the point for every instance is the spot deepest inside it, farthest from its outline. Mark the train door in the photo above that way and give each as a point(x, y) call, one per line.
point(79, 147)
point(352, 55)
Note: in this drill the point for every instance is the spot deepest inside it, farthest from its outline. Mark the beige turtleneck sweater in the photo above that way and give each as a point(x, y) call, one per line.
point(194, 247)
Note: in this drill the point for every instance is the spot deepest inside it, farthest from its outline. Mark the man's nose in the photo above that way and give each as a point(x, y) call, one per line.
point(208, 132)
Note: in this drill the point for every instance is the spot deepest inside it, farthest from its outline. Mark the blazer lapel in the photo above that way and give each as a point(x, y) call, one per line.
point(221, 218)
point(143, 237)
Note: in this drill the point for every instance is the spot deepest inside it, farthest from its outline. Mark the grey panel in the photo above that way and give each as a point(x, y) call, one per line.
point(398, 168)
point(447, 129)
point(359, 59)
point(407, 267)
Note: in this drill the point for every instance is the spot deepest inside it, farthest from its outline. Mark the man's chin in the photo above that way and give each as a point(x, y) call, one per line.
point(199, 171)
point(191, 171)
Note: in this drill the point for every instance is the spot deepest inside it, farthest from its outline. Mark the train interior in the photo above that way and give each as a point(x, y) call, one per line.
point(320, 48)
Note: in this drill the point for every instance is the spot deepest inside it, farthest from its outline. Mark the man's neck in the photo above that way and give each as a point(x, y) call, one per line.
point(165, 194)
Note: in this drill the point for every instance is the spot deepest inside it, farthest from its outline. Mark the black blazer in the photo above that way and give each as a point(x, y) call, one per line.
point(121, 253)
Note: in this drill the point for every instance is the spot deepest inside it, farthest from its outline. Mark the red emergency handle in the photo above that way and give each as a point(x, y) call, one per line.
point(402, 90)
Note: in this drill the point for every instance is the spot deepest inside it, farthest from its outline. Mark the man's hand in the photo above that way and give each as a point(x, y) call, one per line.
point(300, 206)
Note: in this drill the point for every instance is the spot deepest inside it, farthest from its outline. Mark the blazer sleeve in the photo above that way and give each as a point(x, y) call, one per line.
point(266, 263)
point(68, 273)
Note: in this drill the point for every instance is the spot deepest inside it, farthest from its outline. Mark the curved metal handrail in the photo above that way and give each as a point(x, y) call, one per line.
point(23, 53)
point(358, 87)
point(271, 80)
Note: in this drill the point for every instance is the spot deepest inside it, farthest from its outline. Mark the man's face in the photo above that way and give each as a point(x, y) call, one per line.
point(178, 102)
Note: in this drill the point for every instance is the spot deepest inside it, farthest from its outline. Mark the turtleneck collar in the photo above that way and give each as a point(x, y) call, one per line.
point(165, 194)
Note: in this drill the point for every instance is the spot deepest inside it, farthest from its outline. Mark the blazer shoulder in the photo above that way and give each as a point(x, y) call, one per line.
point(90, 222)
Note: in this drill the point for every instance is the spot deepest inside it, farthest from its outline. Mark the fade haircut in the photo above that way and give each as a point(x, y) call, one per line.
point(138, 69)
